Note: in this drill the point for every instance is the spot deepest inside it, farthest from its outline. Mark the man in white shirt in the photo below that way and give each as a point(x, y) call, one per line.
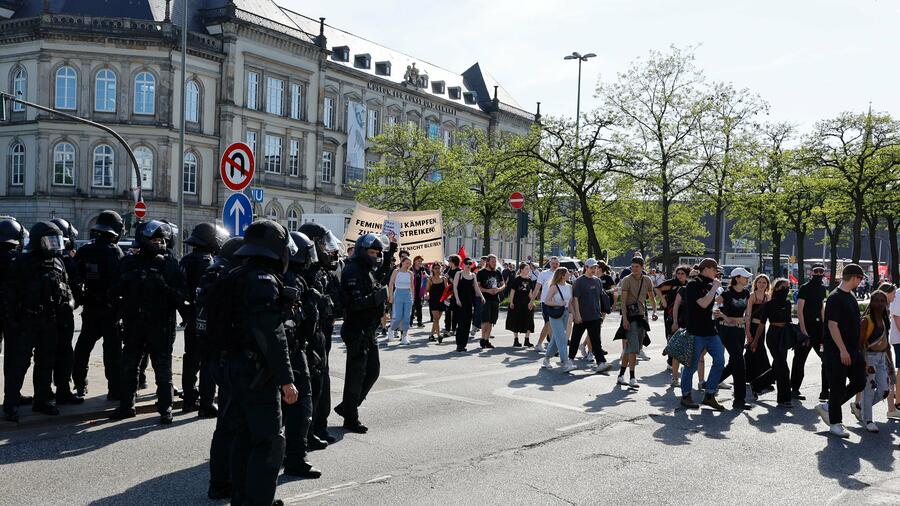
point(894, 309)
point(543, 280)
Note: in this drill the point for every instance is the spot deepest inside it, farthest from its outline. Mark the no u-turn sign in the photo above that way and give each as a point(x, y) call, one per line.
point(237, 166)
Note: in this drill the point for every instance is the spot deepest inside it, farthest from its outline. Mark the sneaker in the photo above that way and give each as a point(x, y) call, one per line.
point(583, 350)
point(632, 383)
point(589, 357)
point(822, 411)
point(701, 386)
point(472, 333)
point(675, 383)
point(603, 367)
point(871, 427)
point(404, 340)
point(710, 400)
point(854, 408)
point(569, 366)
point(895, 414)
point(440, 338)
point(724, 386)
point(432, 338)
point(539, 348)
point(621, 381)
point(839, 430)
point(823, 396)
point(688, 402)
point(546, 364)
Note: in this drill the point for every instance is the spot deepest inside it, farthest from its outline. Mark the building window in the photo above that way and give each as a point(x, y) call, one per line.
point(327, 166)
point(294, 158)
point(459, 243)
point(189, 184)
point(362, 61)
point(448, 137)
point(340, 53)
point(103, 166)
point(105, 91)
point(144, 93)
point(297, 101)
point(434, 130)
point(374, 127)
point(293, 223)
point(64, 164)
point(17, 164)
point(392, 120)
point(274, 96)
point(328, 114)
point(145, 165)
point(273, 154)
point(383, 68)
point(252, 90)
point(19, 88)
point(192, 102)
point(251, 141)
point(66, 88)
point(272, 214)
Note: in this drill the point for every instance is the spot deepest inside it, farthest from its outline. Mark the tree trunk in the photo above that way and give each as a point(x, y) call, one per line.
point(800, 236)
point(720, 215)
point(895, 249)
point(834, 238)
point(857, 234)
point(588, 216)
point(776, 253)
point(666, 250)
point(486, 234)
point(872, 224)
point(540, 253)
point(759, 251)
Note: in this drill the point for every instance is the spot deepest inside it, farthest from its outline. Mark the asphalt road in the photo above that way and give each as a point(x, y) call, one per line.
point(489, 428)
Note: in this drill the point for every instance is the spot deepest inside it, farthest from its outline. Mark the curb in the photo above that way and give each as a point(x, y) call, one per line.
point(37, 421)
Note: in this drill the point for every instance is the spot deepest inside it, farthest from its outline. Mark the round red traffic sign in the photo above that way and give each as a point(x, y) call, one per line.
point(516, 200)
point(237, 166)
point(140, 209)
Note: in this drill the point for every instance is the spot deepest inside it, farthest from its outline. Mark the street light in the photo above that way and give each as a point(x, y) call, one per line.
point(581, 58)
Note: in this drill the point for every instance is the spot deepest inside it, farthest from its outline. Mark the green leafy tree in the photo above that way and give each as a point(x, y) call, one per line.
point(542, 197)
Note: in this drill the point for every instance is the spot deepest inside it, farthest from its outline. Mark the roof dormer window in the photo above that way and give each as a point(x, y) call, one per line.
point(340, 53)
point(383, 68)
point(438, 87)
point(362, 61)
point(470, 97)
point(455, 92)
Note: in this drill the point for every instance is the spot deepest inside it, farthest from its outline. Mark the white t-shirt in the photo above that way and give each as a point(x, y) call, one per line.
point(564, 289)
point(544, 280)
point(895, 331)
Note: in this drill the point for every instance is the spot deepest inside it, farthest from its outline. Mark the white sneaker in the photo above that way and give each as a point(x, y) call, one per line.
point(604, 367)
point(633, 383)
point(546, 364)
point(822, 411)
point(568, 366)
point(404, 339)
point(539, 348)
point(839, 430)
point(621, 381)
point(871, 427)
point(895, 414)
point(854, 408)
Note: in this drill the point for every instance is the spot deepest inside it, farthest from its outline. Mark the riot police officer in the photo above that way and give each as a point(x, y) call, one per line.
point(207, 239)
point(38, 288)
point(320, 276)
point(301, 327)
point(148, 289)
point(97, 262)
point(363, 299)
point(257, 364)
point(64, 353)
point(12, 238)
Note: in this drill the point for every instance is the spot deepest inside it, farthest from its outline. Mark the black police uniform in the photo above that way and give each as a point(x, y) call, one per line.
point(97, 262)
point(11, 237)
point(193, 265)
point(148, 288)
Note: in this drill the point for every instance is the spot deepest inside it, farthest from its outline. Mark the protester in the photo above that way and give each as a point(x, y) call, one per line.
point(418, 288)
point(435, 287)
point(400, 296)
point(873, 342)
point(636, 288)
point(759, 369)
point(479, 302)
point(733, 307)
point(810, 314)
point(893, 408)
point(590, 305)
point(667, 291)
point(698, 301)
point(520, 317)
point(559, 296)
point(777, 313)
point(843, 359)
point(540, 292)
point(490, 280)
point(454, 262)
point(465, 292)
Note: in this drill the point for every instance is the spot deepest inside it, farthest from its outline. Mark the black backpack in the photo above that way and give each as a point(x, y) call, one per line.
point(218, 323)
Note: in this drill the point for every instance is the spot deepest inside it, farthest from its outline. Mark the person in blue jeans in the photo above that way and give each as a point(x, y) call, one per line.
point(699, 295)
point(559, 295)
point(401, 297)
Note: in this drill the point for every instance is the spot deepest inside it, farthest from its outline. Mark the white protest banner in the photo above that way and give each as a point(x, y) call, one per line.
point(421, 232)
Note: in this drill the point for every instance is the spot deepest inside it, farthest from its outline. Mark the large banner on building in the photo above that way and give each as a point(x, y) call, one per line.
point(356, 135)
point(421, 232)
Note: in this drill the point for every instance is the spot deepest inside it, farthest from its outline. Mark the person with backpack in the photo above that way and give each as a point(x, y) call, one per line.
point(147, 290)
point(207, 239)
point(12, 239)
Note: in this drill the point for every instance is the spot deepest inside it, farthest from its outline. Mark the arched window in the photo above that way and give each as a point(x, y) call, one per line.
point(64, 164)
point(104, 159)
point(192, 102)
point(66, 88)
point(189, 185)
point(144, 158)
point(273, 213)
point(19, 88)
point(105, 91)
point(293, 222)
point(17, 164)
point(144, 93)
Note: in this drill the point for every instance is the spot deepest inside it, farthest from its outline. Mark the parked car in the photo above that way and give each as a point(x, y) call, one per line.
point(573, 264)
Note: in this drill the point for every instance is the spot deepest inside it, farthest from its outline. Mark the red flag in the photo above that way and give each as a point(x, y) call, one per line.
point(462, 253)
point(793, 279)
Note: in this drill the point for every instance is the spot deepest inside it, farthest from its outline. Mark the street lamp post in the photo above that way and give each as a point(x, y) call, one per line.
point(581, 58)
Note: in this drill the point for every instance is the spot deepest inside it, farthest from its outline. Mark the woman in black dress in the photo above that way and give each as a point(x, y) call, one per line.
point(434, 287)
point(778, 314)
point(465, 291)
point(759, 370)
point(520, 317)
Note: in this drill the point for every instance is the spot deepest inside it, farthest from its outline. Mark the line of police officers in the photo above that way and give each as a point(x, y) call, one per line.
point(259, 314)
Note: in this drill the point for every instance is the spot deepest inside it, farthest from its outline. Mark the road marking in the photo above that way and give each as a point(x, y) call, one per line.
point(482, 374)
point(397, 377)
point(380, 479)
point(509, 393)
point(452, 397)
point(575, 426)
point(334, 488)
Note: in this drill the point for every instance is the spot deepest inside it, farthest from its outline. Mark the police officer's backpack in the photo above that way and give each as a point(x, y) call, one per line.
point(218, 318)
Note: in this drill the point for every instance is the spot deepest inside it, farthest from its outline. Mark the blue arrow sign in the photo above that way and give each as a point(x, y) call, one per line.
point(237, 214)
point(257, 194)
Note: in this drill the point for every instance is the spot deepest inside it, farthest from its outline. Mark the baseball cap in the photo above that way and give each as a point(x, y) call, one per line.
point(707, 263)
point(852, 270)
point(740, 271)
point(638, 260)
point(590, 262)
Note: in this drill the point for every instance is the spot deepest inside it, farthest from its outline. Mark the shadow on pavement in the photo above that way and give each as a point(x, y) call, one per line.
point(186, 486)
point(840, 458)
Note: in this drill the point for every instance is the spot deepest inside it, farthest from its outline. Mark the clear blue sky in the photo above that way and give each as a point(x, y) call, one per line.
point(809, 59)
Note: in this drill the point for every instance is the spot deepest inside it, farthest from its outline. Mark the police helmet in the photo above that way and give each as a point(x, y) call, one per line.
point(306, 251)
point(171, 232)
point(265, 238)
point(226, 253)
point(109, 222)
point(45, 238)
point(366, 242)
point(69, 232)
point(207, 236)
point(150, 231)
point(12, 232)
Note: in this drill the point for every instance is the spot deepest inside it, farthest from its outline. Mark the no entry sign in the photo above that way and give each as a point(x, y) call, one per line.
point(237, 166)
point(516, 200)
point(140, 209)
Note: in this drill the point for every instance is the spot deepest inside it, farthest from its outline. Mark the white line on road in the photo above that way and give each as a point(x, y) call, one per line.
point(397, 377)
point(510, 393)
point(575, 426)
point(335, 488)
point(452, 397)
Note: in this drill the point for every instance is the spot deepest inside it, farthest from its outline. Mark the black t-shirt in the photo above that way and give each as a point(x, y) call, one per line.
point(734, 304)
point(843, 308)
point(669, 289)
point(813, 293)
point(489, 278)
point(608, 282)
point(699, 319)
